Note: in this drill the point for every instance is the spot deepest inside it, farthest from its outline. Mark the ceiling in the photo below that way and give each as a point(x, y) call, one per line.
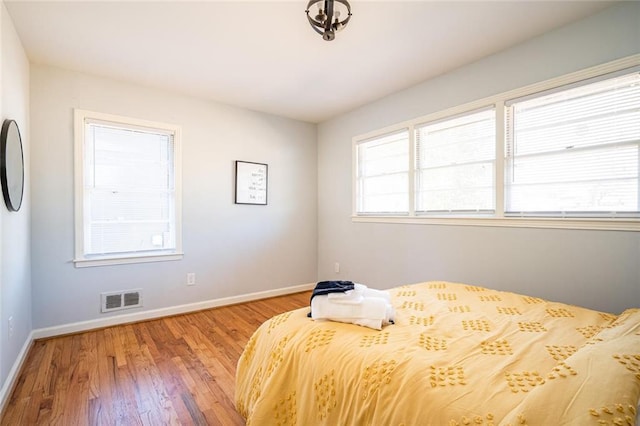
point(264, 56)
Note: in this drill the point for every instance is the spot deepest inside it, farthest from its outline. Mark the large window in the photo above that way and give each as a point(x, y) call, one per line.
point(562, 153)
point(127, 190)
point(383, 174)
point(576, 151)
point(455, 164)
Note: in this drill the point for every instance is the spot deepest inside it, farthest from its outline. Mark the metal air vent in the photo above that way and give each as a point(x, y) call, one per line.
point(125, 299)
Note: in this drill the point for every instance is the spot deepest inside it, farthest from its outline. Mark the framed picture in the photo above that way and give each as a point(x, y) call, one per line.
point(251, 183)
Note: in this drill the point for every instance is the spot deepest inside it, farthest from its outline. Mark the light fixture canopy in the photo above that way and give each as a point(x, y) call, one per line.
point(327, 22)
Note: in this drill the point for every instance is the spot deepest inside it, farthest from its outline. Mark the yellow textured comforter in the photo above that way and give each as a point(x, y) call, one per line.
point(457, 355)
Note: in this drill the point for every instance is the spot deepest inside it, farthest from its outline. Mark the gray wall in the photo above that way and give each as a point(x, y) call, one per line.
point(233, 249)
point(15, 265)
point(597, 269)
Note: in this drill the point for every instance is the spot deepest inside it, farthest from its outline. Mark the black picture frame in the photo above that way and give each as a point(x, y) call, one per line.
point(251, 183)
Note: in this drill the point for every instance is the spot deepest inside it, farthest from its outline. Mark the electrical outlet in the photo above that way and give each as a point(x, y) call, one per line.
point(10, 327)
point(336, 268)
point(191, 278)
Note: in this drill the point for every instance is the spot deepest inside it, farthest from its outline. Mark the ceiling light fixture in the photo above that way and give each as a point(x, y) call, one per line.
point(327, 21)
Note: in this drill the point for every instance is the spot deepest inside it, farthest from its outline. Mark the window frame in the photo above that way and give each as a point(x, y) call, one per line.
point(81, 260)
point(418, 168)
point(499, 218)
point(359, 181)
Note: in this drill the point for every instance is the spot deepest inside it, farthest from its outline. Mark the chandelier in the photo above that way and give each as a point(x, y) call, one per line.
point(327, 21)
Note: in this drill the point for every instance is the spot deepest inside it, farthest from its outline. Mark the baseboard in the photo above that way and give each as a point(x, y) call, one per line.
point(81, 326)
point(14, 373)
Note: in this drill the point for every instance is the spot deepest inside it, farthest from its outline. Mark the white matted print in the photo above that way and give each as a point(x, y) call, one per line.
point(251, 183)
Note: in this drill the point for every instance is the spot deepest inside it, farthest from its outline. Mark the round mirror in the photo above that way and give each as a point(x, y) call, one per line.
point(11, 165)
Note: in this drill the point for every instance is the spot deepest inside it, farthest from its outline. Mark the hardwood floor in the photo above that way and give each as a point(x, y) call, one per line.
point(174, 370)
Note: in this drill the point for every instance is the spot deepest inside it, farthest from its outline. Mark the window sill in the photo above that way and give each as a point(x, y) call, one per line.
point(512, 222)
point(123, 260)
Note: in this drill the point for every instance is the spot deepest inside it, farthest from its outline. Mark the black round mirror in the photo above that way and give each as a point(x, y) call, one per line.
point(11, 165)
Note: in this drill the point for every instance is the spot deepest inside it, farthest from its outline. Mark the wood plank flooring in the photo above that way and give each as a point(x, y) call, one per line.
point(174, 370)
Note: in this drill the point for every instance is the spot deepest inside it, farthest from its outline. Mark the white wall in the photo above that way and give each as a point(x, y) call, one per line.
point(233, 249)
point(15, 265)
point(598, 269)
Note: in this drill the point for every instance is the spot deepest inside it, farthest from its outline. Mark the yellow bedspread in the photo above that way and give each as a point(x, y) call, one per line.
point(457, 355)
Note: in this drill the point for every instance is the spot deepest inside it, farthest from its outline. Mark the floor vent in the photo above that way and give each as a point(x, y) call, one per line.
point(118, 300)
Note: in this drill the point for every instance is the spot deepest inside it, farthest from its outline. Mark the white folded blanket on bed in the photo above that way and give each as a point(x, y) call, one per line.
point(359, 292)
point(362, 306)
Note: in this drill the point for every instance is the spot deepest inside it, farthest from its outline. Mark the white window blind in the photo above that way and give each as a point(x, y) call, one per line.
point(575, 152)
point(455, 164)
point(129, 204)
point(382, 174)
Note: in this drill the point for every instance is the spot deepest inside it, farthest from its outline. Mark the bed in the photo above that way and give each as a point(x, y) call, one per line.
point(457, 355)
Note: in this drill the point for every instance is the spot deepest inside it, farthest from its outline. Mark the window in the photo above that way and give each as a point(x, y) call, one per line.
point(127, 190)
point(383, 174)
point(576, 152)
point(455, 164)
point(563, 153)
